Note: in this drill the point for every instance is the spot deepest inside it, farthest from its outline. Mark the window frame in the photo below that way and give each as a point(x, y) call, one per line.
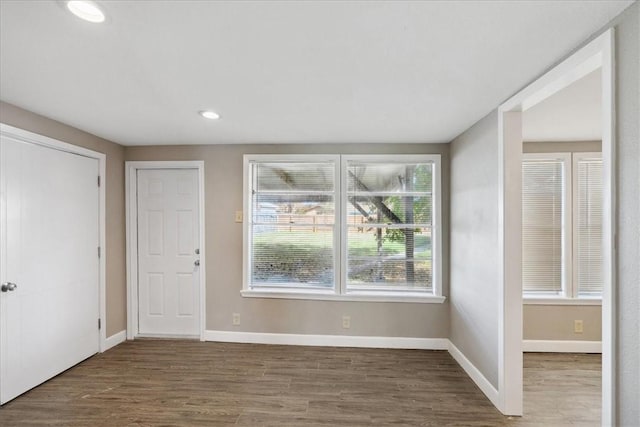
point(569, 293)
point(339, 290)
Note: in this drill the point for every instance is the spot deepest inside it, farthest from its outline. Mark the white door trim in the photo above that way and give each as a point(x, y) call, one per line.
point(597, 53)
point(131, 191)
point(34, 138)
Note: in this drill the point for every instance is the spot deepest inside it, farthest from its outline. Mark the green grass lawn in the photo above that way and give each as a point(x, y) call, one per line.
point(360, 244)
point(365, 244)
point(307, 257)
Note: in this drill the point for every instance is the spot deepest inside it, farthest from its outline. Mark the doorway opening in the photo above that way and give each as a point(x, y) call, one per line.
point(598, 54)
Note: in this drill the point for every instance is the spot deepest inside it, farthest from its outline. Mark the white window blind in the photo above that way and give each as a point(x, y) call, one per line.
point(389, 225)
point(292, 225)
point(588, 225)
point(543, 225)
point(562, 225)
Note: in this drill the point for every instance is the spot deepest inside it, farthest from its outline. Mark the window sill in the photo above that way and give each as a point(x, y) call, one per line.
point(352, 296)
point(555, 300)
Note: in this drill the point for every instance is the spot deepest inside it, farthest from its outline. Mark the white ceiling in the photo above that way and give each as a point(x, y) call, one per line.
point(573, 114)
point(283, 71)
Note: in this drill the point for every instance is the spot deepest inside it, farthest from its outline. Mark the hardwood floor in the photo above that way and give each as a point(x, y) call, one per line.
point(169, 382)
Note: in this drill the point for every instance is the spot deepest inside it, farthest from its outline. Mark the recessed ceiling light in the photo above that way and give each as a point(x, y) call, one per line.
point(211, 115)
point(87, 10)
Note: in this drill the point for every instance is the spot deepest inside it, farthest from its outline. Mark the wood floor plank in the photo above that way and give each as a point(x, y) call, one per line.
point(187, 383)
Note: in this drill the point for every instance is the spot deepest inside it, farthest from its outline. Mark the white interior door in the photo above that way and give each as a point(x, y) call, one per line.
point(50, 235)
point(168, 252)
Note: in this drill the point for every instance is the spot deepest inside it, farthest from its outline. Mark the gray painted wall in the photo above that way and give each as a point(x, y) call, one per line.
point(223, 193)
point(474, 245)
point(562, 147)
point(555, 322)
point(627, 94)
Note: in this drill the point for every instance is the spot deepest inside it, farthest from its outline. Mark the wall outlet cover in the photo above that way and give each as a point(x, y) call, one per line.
point(346, 322)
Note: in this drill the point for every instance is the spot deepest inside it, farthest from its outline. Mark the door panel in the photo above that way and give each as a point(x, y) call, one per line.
point(168, 289)
point(50, 236)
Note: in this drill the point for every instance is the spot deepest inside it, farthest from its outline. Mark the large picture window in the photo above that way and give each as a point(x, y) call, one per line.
point(562, 225)
point(342, 226)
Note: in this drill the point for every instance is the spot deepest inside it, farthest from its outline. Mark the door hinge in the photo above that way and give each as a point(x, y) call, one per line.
point(98, 180)
point(99, 324)
point(99, 252)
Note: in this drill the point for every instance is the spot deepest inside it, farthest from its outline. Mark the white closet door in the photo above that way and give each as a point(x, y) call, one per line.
point(168, 288)
point(49, 250)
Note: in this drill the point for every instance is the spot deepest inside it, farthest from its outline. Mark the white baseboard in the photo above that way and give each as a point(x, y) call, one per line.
point(114, 340)
point(328, 340)
point(474, 373)
point(556, 346)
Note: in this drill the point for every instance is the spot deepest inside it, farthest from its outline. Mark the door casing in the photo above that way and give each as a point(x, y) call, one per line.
point(131, 191)
point(597, 53)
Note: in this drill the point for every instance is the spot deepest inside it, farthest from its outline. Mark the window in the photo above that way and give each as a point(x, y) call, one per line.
point(544, 222)
point(389, 218)
point(562, 225)
point(342, 227)
point(292, 230)
point(588, 223)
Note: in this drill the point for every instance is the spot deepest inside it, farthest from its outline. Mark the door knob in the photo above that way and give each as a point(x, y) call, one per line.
point(196, 262)
point(8, 286)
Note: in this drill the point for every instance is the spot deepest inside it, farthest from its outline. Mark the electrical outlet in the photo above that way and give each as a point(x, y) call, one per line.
point(236, 319)
point(578, 326)
point(238, 216)
point(346, 322)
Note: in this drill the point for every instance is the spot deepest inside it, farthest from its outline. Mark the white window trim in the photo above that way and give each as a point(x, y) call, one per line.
point(569, 294)
point(556, 300)
point(339, 292)
point(351, 296)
